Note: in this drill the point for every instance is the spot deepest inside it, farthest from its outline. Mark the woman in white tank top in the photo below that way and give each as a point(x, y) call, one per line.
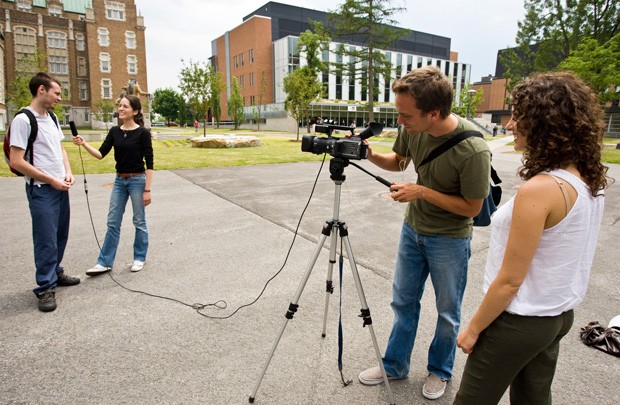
point(542, 244)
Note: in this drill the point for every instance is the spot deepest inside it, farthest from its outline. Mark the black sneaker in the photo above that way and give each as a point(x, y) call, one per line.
point(47, 300)
point(67, 281)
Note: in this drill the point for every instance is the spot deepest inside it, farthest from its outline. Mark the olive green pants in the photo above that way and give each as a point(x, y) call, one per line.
point(516, 351)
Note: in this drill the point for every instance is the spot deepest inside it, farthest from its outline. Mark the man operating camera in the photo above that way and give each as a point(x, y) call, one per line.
point(436, 233)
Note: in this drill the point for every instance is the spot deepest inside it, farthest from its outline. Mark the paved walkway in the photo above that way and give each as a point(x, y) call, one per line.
point(221, 234)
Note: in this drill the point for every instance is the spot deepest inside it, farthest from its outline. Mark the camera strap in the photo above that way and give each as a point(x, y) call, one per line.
point(447, 145)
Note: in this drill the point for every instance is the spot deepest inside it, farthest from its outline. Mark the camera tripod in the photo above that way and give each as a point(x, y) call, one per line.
point(332, 229)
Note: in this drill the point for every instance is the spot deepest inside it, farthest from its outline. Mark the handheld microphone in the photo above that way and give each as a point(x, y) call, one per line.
point(73, 128)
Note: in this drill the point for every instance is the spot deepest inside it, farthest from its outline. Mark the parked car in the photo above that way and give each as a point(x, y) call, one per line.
point(157, 124)
point(172, 124)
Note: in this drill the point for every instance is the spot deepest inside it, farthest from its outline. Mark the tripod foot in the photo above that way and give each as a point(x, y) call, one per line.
point(251, 400)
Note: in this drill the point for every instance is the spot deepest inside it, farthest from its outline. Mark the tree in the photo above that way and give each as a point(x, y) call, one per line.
point(369, 22)
point(302, 88)
point(217, 86)
point(468, 102)
point(235, 104)
point(18, 95)
point(552, 29)
point(195, 81)
point(598, 65)
point(104, 110)
point(257, 109)
point(167, 103)
point(312, 45)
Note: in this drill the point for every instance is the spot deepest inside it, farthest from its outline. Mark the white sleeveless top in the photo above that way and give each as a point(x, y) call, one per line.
point(558, 276)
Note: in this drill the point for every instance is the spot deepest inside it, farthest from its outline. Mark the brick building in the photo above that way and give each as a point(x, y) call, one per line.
point(93, 47)
point(266, 42)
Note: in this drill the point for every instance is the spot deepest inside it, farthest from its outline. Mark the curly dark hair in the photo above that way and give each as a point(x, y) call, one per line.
point(562, 121)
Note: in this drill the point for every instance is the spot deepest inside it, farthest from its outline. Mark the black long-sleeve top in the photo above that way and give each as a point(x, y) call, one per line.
point(132, 149)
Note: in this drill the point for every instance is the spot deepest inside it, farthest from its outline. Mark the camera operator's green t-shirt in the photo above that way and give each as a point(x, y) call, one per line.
point(464, 170)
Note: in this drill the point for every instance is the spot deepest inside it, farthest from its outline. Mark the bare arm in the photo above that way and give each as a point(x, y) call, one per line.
point(407, 192)
point(68, 172)
point(78, 140)
point(533, 205)
point(21, 165)
point(146, 196)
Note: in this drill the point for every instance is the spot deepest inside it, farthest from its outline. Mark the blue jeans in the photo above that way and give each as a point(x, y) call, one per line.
point(123, 190)
point(445, 259)
point(50, 212)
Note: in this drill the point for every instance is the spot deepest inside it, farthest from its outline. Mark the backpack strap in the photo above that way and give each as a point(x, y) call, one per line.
point(34, 130)
point(447, 145)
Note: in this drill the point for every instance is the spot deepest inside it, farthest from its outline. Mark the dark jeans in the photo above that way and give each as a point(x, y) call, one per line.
point(516, 351)
point(49, 209)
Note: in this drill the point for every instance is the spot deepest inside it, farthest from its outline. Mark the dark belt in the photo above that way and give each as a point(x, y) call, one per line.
point(128, 175)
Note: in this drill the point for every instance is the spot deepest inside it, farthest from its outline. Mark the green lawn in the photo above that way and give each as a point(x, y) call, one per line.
point(177, 154)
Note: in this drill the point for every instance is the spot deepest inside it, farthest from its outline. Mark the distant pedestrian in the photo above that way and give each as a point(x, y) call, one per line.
point(48, 179)
point(196, 125)
point(494, 130)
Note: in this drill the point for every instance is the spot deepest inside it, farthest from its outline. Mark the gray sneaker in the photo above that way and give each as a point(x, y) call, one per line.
point(47, 300)
point(373, 376)
point(434, 386)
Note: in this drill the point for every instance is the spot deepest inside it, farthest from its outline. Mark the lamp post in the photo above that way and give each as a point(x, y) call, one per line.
point(470, 95)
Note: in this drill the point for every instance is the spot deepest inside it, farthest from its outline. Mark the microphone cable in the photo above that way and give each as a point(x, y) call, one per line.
point(198, 307)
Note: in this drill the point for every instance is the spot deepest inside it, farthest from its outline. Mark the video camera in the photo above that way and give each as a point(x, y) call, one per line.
point(351, 147)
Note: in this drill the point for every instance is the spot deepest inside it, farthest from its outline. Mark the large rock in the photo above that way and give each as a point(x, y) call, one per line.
point(225, 141)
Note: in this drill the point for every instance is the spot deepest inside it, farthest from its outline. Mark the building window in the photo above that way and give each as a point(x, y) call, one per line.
point(130, 39)
point(132, 64)
point(106, 89)
point(81, 66)
point(115, 10)
point(80, 42)
point(55, 10)
point(251, 55)
point(235, 61)
point(241, 59)
point(251, 79)
point(24, 5)
point(25, 42)
point(66, 89)
point(83, 91)
point(59, 65)
point(252, 100)
point(104, 62)
point(56, 39)
point(103, 36)
point(242, 81)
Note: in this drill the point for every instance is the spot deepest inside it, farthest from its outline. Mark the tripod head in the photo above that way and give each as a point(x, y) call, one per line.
point(336, 168)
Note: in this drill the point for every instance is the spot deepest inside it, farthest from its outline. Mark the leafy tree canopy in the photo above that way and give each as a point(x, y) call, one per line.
point(167, 103)
point(302, 88)
point(368, 22)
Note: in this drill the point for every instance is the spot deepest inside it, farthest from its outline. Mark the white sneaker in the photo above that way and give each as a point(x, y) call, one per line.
point(137, 265)
point(98, 269)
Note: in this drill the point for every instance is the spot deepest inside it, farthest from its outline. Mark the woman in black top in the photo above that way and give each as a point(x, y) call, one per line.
point(132, 152)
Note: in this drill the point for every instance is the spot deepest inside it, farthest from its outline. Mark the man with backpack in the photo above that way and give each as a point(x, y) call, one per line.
point(45, 166)
point(435, 239)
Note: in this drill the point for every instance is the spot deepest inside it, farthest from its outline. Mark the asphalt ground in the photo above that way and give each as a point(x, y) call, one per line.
point(221, 234)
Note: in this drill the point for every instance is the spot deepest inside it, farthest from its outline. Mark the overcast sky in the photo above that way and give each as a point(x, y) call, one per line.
point(477, 28)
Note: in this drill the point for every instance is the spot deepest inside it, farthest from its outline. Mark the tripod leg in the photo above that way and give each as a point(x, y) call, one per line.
point(329, 286)
point(290, 313)
point(365, 311)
